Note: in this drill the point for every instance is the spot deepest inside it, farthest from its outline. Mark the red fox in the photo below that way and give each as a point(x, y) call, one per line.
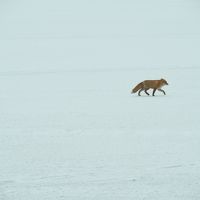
point(147, 84)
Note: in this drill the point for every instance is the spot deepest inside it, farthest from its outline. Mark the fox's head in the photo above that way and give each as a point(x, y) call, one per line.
point(164, 81)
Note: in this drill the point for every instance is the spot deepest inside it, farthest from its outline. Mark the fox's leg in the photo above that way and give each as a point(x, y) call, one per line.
point(146, 91)
point(162, 91)
point(140, 91)
point(154, 90)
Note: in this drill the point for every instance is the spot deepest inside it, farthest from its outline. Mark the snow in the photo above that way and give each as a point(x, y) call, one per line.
point(63, 140)
point(70, 127)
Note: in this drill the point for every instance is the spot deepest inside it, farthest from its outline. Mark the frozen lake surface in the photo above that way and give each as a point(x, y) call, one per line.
point(70, 127)
point(82, 135)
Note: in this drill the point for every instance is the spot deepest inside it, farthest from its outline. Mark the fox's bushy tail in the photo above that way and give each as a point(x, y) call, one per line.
point(137, 87)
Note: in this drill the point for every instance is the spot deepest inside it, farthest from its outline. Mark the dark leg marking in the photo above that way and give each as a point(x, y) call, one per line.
point(140, 91)
point(162, 91)
point(146, 91)
point(154, 90)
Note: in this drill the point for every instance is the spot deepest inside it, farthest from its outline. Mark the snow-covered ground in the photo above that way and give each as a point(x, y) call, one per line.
point(94, 140)
point(70, 127)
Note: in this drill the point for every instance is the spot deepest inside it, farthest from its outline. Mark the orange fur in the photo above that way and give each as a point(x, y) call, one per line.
point(150, 84)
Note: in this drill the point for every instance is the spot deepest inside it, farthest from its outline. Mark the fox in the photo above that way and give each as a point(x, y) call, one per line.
point(150, 84)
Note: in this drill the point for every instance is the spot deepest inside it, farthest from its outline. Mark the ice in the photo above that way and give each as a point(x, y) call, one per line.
point(70, 127)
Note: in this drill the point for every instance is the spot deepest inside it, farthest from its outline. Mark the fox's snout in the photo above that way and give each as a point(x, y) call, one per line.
point(164, 81)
